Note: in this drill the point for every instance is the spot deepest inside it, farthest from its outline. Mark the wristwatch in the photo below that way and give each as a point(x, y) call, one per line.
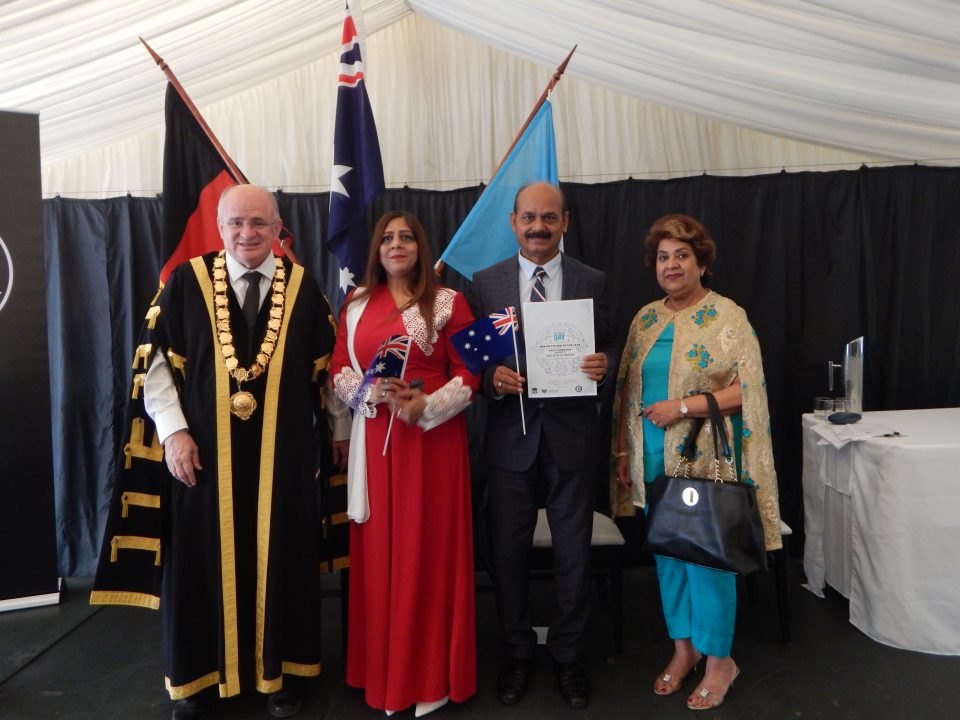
point(683, 408)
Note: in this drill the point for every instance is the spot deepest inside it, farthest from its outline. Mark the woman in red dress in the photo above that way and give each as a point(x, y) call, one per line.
point(411, 637)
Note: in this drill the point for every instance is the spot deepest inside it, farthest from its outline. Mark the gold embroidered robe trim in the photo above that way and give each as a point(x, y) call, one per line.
point(133, 542)
point(177, 362)
point(144, 500)
point(142, 356)
point(151, 317)
point(228, 574)
point(135, 447)
point(137, 384)
point(267, 455)
point(179, 692)
point(119, 597)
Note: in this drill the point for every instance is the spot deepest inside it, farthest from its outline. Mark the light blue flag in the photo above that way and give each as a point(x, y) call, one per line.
point(485, 237)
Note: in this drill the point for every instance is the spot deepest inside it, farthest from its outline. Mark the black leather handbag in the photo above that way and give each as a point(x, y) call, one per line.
point(714, 522)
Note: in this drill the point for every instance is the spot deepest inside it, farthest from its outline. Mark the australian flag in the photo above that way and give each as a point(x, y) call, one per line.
point(357, 176)
point(389, 361)
point(487, 340)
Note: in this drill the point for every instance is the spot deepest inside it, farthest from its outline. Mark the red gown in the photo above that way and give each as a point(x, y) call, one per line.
point(411, 631)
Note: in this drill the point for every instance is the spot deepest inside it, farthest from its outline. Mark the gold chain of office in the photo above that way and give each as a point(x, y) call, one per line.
point(242, 403)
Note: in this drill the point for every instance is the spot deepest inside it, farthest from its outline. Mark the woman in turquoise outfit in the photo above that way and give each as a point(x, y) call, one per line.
point(691, 342)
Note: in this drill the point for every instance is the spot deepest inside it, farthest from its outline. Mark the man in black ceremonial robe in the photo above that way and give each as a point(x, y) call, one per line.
point(224, 538)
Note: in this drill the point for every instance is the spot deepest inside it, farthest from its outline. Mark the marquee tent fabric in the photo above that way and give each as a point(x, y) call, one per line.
point(657, 88)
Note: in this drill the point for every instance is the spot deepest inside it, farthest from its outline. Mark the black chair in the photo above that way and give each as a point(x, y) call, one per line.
point(779, 562)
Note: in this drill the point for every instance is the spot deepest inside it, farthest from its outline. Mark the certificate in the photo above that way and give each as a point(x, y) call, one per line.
point(557, 335)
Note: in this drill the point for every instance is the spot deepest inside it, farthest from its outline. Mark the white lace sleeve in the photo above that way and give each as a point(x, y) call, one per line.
point(346, 383)
point(444, 403)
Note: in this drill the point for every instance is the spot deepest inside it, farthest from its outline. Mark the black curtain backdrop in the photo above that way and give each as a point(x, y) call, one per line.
point(816, 259)
point(102, 269)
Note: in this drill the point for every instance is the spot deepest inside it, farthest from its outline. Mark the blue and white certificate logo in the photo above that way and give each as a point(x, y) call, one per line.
point(560, 346)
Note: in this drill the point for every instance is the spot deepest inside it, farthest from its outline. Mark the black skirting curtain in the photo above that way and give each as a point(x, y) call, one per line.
point(816, 259)
point(102, 272)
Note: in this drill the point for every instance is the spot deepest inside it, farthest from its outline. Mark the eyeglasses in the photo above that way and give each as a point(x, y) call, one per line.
point(256, 224)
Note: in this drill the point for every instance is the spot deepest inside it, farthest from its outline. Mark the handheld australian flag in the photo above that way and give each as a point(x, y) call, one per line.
point(357, 176)
point(487, 340)
point(390, 360)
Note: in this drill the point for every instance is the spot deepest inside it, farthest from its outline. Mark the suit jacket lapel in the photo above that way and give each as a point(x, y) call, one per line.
point(570, 279)
point(510, 289)
point(511, 285)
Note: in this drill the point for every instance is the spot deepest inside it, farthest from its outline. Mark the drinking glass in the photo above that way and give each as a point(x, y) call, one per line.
point(822, 406)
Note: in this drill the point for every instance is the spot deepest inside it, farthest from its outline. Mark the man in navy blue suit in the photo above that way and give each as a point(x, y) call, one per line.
point(558, 451)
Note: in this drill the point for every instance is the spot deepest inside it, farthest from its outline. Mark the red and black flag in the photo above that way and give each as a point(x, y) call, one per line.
point(195, 173)
point(194, 176)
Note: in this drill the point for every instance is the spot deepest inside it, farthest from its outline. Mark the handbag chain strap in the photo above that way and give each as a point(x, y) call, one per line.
point(721, 444)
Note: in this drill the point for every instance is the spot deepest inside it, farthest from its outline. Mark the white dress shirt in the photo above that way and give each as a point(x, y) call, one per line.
point(553, 282)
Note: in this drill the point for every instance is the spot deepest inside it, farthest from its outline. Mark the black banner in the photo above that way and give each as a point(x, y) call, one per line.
point(28, 552)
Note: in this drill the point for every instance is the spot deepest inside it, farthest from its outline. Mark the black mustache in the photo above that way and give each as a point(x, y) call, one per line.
point(539, 234)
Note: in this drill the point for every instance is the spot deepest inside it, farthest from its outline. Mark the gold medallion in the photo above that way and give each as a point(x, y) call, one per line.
point(243, 404)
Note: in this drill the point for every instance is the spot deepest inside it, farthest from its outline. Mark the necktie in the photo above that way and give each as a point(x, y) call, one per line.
point(251, 301)
point(538, 293)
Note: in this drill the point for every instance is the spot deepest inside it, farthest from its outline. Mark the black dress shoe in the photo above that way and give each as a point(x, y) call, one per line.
point(574, 685)
point(514, 680)
point(284, 703)
point(190, 709)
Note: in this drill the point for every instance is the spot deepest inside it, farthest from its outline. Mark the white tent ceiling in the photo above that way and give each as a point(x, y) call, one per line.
point(657, 88)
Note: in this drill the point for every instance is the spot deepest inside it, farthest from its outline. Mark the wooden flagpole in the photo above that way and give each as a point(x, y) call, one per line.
point(536, 108)
point(554, 79)
point(231, 165)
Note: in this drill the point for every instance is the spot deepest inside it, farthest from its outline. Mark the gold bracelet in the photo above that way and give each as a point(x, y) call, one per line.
point(619, 455)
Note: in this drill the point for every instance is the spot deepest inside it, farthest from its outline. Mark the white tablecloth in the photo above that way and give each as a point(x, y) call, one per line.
point(882, 525)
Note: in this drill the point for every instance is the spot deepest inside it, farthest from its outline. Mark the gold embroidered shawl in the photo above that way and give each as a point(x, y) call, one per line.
point(713, 342)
